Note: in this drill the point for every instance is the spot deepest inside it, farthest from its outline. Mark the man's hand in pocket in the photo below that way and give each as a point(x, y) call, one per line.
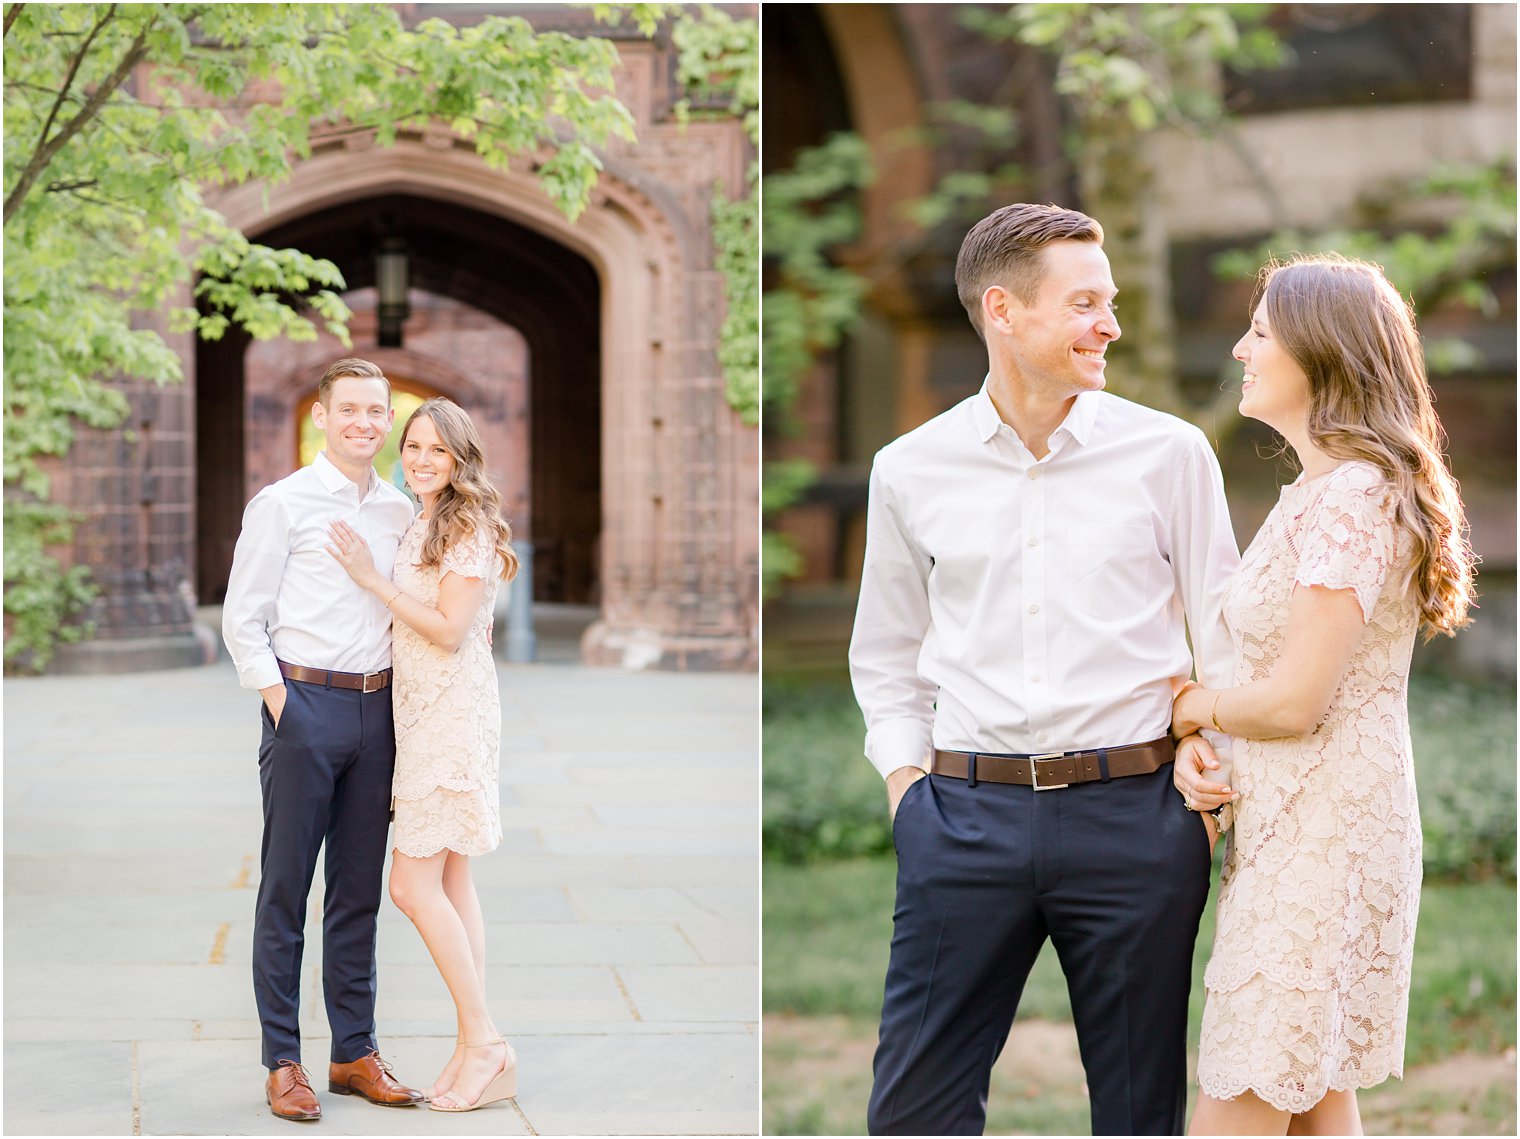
point(899, 782)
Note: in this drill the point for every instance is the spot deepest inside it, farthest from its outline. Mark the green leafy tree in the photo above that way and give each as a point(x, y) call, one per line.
point(810, 210)
point(719, 62)
point(118, 117)
point(1434, 265)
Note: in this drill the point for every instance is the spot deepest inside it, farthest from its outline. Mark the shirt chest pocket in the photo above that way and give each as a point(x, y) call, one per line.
point(1115, 570)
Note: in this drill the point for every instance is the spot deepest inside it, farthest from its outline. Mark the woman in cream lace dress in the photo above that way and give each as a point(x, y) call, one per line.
point(448, 723)
point(1308, 982)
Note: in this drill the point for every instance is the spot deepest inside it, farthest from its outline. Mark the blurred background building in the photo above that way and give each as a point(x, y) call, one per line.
point(586, 351)
point(1344, 135)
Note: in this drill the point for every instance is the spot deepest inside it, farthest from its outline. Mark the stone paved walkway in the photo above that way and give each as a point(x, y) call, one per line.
point(622, 912)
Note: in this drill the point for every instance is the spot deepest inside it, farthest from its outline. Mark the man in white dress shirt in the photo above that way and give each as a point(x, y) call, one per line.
point(1036, 559)
point(318, 649)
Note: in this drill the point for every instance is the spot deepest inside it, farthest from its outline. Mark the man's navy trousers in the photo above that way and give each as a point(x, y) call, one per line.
point(1114, 874)
point(326, 775)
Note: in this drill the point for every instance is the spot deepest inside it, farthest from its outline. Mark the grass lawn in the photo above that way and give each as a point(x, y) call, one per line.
point(826, 931)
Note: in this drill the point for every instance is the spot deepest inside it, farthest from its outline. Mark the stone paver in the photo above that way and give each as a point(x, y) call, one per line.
point(622, 912)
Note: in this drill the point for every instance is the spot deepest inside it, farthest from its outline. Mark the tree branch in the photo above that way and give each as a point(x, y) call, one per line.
point(68, 80)
point(77, 184)
point(22, 85)
point(49, 148)
point(111, 203)
point(10, 17)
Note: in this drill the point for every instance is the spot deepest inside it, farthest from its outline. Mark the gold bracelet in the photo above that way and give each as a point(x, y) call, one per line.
point(392, 601)
point(1214, 714)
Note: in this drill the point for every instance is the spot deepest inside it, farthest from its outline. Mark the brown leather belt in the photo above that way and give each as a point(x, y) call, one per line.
point(1053, 770)
point(358, 681)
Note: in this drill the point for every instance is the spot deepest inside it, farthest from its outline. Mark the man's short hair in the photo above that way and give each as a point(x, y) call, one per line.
point(1004, 249)
point(342, 370)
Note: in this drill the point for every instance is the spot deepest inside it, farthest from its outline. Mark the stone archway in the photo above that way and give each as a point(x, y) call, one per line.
point(487, 328)
point(677, 583)
point(885, 98)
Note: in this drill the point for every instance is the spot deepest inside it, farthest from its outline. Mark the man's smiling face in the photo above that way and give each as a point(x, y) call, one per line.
point(1058, 342)
point(356, 419)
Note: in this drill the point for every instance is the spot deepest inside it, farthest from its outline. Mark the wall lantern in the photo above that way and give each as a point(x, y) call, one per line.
point(391, 272)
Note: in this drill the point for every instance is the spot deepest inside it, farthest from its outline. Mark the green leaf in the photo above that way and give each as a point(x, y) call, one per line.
point(1142, 113)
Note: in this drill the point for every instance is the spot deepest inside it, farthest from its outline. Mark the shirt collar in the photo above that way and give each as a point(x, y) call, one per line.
point(335, 480)
point(1078, 422)
point(984, 414)
point(1080, 419)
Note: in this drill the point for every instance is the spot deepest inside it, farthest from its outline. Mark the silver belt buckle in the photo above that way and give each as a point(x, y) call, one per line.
point(377, 677)
point(1034, 771)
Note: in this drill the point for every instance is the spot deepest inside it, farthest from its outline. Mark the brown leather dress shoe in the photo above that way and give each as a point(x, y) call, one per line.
point(370, 1077)
point(288, 1091)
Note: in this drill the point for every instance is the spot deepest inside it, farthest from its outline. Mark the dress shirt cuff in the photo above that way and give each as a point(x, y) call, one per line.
point(1223, 746)
point(261, 672)
point(899, 743)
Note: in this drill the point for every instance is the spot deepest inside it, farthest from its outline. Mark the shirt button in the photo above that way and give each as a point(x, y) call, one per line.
point(1034, 541)
point(1034, 680)
point(1042, 737)
point(1034, 472)
point(1034, 608)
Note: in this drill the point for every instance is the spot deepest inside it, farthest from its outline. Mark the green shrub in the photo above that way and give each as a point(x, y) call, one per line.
point(1464, 756)
point(822, 798)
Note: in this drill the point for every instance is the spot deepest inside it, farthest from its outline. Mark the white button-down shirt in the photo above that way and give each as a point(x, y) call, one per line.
point(1015, 605)
point(288, 598)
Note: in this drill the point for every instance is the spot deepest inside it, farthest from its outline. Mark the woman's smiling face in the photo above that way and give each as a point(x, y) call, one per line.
point(1276, 389)
point(425, 461)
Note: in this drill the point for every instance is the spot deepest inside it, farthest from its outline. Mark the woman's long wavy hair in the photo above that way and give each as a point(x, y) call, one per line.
point(469, 503)
point(1369, 399)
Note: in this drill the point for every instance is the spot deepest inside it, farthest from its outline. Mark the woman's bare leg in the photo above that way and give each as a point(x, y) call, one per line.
point(459, 887)
point(417, 888)
point(1336, 1114)
point(1246, 1114)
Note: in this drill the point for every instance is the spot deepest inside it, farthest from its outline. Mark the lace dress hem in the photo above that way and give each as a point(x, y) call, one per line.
point(1297, 1100)
point(435, 847)
point(465, 822)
